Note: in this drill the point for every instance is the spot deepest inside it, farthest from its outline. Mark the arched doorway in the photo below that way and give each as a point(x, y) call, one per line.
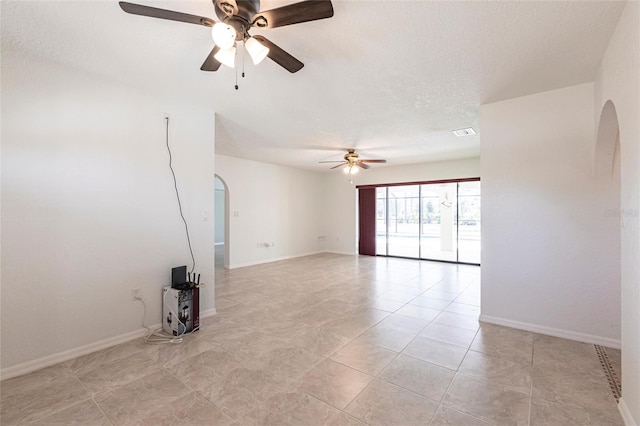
point(607, 153)
point(221, 223)
point(606, 166)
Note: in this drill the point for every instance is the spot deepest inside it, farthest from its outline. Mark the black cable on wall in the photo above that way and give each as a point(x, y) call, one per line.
point(175, 185)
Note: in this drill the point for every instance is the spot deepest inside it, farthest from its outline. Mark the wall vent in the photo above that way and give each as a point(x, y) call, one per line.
point(464, 132)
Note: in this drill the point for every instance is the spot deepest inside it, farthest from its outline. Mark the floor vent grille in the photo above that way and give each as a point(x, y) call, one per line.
point(612, 377)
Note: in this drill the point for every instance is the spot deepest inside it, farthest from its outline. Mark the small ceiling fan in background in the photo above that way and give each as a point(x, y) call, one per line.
point(352, 162)
point(236, 18)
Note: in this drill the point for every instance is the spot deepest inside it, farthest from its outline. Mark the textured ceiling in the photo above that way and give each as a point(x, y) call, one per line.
point(391, 78)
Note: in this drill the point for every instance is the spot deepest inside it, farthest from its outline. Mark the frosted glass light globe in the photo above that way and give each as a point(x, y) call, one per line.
point(257, 50)
point(227, 57)
point(224, 36)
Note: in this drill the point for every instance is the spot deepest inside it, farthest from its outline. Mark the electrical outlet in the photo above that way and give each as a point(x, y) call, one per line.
point(135, 293)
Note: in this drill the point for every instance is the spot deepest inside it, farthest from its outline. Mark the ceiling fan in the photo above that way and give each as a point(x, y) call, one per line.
point(352, 161)
point(236, 18)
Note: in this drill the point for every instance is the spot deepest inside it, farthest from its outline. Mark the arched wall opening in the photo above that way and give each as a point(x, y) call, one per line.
point(221, 224)
point(607, 143)
point(607, 172)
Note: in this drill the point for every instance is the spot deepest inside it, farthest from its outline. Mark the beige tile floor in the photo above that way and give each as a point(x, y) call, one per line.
point(335, 340)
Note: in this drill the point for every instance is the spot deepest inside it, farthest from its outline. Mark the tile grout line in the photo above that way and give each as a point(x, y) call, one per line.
point(102, 411)
point(93, 398)
point(90, 396)
point(456, 372)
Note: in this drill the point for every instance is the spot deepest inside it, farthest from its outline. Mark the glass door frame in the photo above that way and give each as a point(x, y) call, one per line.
point(419, 184)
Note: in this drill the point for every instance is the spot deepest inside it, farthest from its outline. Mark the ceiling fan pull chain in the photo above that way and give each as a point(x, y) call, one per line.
point(236, 70)
point(243, 51)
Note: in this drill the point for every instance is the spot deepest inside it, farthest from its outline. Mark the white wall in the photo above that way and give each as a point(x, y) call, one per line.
point(269, 203)
point(341, 196)
point(89, 210)
point(550, 248)
point(618, 80)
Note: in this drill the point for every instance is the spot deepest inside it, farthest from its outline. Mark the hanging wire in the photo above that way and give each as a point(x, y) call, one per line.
point(175, 186)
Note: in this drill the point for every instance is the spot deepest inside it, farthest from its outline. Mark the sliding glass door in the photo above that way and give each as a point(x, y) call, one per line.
point(432, 221)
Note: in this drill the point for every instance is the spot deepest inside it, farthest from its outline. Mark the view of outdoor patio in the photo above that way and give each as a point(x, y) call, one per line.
point(432, 221)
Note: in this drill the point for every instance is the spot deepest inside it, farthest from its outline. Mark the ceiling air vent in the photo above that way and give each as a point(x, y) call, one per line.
point(464, 132)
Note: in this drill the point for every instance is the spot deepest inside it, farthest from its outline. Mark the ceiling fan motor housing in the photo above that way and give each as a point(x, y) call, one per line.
point(238, 14)
point(351, 156)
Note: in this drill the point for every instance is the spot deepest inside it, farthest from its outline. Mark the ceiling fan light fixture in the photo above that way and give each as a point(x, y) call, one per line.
point(257, 50)
point(350, 169)
point(227, 57)
point(224, 35)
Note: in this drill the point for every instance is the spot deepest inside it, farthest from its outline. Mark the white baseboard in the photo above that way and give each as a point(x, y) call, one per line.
point(556, 332)
point(272, 259)
point(353, 253)
point(208, 313)
point(626, 414)
point(49, 360)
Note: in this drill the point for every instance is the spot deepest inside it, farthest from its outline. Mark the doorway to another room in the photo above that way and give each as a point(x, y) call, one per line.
point(220, 224)
point(607, 169)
